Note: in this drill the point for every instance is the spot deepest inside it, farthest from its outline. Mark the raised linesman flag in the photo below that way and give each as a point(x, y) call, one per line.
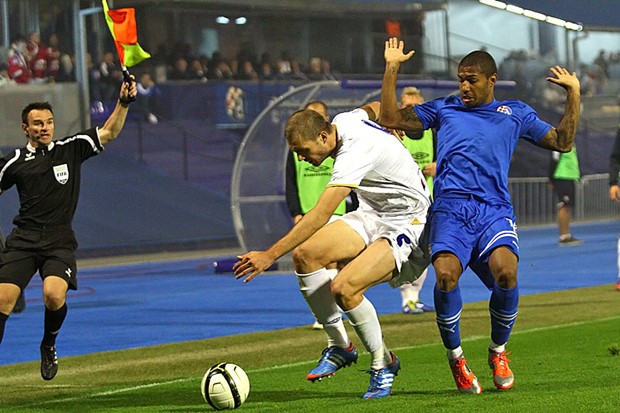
point(122, 25)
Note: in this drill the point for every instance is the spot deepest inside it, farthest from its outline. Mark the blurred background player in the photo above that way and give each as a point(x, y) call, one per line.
point(421, 146)
point(305, 183)
point(563, 176)
point(614, 186)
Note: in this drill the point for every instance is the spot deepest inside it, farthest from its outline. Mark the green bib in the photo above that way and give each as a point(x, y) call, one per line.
point(568, 166)
point(422, 152)
point(311, 181)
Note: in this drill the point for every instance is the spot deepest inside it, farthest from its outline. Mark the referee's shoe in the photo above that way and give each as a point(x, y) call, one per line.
point(49, 362)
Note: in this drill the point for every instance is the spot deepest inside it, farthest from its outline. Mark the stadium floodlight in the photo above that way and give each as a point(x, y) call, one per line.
point(241, 20)
point(222, 20)
point(515, 9)
point(556, 21)
point(573, 26)
point(534, 15)
point(494, 3)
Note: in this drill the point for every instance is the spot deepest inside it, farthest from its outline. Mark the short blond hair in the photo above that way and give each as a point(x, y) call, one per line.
point(305, 124)
point(411, 90)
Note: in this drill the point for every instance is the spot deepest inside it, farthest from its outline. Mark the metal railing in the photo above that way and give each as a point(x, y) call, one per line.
point(535, 204)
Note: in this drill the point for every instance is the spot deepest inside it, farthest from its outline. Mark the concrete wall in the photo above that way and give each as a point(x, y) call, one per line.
point(65, 101)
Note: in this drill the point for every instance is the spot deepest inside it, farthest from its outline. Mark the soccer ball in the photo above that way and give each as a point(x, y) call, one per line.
point(225, 386)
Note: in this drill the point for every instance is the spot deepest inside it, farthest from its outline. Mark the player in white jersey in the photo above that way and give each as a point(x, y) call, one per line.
point(379, 239)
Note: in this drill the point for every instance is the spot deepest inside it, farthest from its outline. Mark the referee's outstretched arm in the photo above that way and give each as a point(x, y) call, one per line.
point(116, 121)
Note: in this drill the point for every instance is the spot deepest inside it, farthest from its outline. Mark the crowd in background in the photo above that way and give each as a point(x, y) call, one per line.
point(37, 60)
point(32, 60)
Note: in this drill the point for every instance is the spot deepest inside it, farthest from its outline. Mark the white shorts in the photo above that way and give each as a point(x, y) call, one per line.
point(403, 236)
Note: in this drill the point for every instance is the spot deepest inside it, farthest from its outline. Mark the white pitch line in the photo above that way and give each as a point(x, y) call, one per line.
point(301, 363)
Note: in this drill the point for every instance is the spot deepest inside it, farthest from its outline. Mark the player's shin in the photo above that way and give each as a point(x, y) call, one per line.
point(316, 289)
point(365, 322)
point(448, 305)
point(503, 309)
point(52, 324)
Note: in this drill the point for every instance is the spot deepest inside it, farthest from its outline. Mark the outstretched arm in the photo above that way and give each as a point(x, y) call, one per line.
point(391, 116)
point(116, 121)
point(561, 138)
point(254, 262)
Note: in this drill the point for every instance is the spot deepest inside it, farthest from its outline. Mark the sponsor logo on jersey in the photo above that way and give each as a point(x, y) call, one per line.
point(61, 172)
point(505, 110)
point(29, 157)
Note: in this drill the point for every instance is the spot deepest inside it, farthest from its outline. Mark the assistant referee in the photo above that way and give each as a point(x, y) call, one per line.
point(47, 176)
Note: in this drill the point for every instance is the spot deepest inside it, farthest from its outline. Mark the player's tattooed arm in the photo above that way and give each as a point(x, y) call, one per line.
point(372, 109)
point(404, 119)
point(561, 138)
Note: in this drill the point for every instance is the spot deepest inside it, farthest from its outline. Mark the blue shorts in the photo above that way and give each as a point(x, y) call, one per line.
point(471, 230)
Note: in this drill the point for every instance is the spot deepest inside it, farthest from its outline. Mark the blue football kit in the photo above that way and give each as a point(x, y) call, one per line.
point(472, 213)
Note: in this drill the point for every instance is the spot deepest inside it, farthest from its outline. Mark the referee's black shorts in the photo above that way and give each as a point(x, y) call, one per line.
point(50, 251)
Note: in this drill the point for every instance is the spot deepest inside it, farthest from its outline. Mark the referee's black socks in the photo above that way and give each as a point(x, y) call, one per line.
point(53, 322)
point(3, 318)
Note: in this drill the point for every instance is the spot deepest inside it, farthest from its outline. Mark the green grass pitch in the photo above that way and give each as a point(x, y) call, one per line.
point(564, 352)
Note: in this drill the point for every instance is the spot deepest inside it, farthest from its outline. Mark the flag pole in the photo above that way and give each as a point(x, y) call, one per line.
point(127, 79)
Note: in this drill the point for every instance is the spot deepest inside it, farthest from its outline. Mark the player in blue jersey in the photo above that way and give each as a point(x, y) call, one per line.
point(472, 219)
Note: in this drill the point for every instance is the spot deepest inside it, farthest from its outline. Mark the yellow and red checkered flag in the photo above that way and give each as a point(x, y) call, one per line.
point(122, 24)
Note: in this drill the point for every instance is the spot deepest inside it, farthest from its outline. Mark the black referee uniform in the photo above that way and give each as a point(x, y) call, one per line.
point(48, 183)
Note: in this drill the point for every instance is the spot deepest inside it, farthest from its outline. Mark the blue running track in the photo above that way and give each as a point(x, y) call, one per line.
point(128, 306)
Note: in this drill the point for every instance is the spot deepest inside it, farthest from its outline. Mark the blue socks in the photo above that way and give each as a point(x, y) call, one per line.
point(503, 309)
point(448, 306)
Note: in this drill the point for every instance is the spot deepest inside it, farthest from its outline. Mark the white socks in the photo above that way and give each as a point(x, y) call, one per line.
point(365, 321)
point(411, 292)
point(315, 287)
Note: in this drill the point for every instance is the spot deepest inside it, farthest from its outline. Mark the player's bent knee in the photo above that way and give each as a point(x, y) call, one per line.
point(54, 300)
point(342, 290)
point(9, 294)
point(446, 281)
point(506, 278)
point(306, 259)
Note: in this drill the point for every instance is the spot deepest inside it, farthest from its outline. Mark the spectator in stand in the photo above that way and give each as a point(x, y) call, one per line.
point(247, 71)
point(326, 70)
point(196, 70)
point(602, 62)
point(5, 80)
point(52, 56)
point(111, 77)
point(19, 70)
point(266, 72)
point(147, 98)
point(180, 70)
point(37, 58)
point(314, 69)
point(67, 68)
point(222, 71)
point(296, 72)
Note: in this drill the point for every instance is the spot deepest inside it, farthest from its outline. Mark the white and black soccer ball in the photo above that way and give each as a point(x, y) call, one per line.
point(225, 386)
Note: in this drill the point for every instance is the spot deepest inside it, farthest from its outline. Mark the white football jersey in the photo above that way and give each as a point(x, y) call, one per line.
point(379, 168)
